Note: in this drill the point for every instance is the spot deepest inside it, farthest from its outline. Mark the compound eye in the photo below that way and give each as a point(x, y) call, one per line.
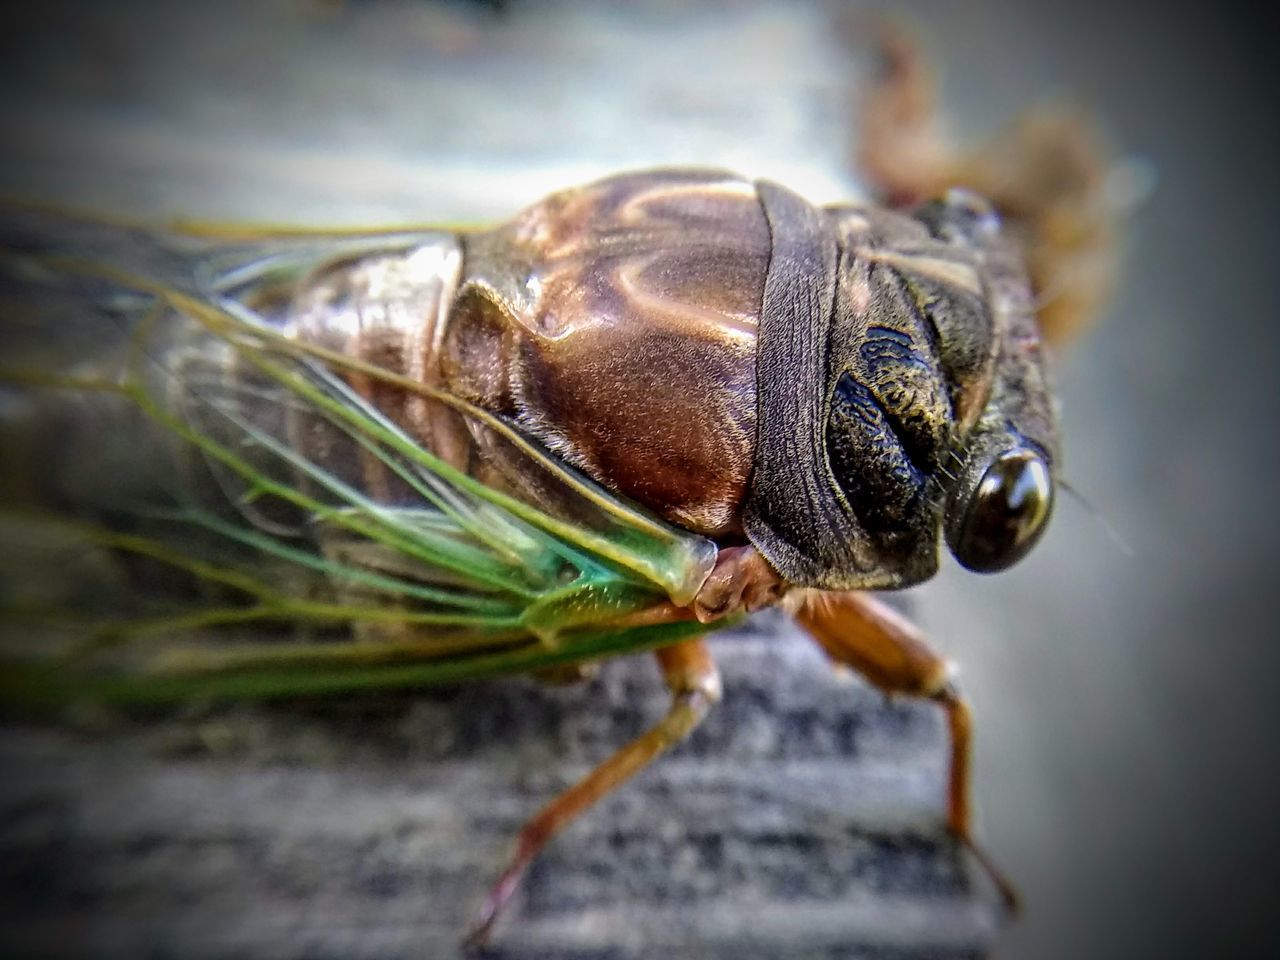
point(1006, 514)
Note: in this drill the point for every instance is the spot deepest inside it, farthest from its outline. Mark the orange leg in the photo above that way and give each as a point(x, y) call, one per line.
point(694, 682)
point(858, 631)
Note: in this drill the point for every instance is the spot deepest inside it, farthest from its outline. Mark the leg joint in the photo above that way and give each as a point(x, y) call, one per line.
point(688, 669)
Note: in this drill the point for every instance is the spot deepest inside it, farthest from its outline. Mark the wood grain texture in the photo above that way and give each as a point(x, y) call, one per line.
point(803, 820)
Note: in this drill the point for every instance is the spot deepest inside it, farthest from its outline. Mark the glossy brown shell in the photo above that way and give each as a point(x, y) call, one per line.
point(617, 323)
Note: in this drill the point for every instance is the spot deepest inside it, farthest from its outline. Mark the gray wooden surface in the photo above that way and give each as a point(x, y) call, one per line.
point(802, 820)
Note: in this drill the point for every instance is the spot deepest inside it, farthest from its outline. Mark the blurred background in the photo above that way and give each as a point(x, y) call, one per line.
point(1126, 771)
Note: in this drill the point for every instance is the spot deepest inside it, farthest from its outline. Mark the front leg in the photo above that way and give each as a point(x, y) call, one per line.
point(858, 631)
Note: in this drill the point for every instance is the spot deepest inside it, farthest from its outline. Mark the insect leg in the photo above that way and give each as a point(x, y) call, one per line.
point(902, 149)
point(858, 631)
point(694, 681)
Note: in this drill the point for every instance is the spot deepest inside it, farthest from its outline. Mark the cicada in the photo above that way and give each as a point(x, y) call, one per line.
point(636, 412)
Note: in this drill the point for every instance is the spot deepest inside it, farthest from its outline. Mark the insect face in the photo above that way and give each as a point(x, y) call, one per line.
point(1000, 499)
point(939, 416)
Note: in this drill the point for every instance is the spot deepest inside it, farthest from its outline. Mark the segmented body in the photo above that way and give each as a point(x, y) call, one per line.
point(614, 323)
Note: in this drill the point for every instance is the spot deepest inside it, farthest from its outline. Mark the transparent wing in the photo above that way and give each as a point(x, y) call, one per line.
point(200, 503)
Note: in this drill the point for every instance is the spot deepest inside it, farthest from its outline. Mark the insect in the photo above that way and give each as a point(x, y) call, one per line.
point(634, 413)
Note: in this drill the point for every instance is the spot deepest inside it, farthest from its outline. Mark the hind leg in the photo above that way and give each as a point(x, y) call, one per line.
point(694, 682)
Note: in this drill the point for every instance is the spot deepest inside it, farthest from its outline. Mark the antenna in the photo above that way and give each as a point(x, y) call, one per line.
point(1107, 526)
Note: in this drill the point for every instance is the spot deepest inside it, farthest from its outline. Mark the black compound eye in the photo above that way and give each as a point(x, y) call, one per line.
point(1006, 514)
